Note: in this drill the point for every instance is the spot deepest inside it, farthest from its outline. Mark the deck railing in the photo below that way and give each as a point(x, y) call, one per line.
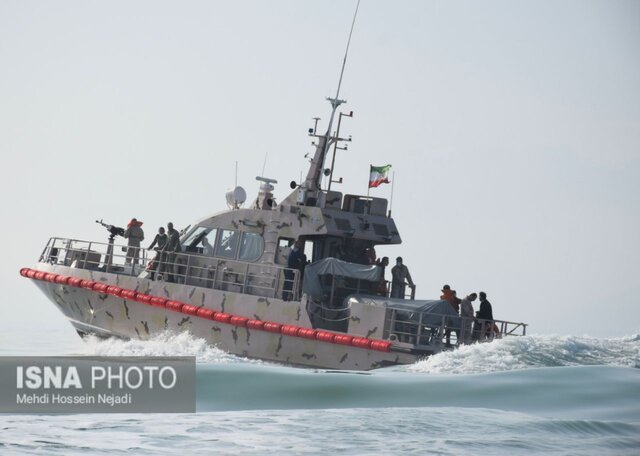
point(185, 268)
point(428, 329)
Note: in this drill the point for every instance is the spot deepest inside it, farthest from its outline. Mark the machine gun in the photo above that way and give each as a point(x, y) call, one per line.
point(114, 230)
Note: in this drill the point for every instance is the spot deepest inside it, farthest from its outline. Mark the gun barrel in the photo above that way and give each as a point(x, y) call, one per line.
point(114, 230)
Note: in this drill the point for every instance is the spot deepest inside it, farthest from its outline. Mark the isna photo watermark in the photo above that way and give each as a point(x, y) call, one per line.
point(97, 384)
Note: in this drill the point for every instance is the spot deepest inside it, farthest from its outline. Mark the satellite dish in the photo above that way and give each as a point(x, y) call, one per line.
point(236, 197)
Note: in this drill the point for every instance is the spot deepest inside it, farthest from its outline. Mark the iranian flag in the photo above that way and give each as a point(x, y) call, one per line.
point(379, 175)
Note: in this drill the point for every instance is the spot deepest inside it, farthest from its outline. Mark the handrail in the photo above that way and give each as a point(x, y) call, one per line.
point(427, 329)
point(185, 268)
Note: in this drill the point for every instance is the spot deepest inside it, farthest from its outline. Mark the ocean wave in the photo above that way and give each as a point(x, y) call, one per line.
point(164, 344)
point(533, 351)
point(442, 431)
point(512, 353)
point(578, 392)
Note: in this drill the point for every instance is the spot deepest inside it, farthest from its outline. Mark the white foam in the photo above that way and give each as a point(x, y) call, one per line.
point(533, 351)
point(165, 344)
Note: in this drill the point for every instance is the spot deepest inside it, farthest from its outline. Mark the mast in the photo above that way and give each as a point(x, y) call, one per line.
point(310, 189)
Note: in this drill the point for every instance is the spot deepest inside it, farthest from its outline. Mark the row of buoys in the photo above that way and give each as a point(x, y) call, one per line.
point(221, 317)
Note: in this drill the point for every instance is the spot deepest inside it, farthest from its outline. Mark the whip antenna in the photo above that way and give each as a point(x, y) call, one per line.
point(310, 190)
point(346, 51)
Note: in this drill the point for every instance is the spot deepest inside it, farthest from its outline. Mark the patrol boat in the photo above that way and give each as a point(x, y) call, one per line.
point(230, 283)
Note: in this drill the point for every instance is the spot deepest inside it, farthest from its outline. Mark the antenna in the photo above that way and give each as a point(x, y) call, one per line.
point(393, 179)
point(264, 165)
point(236, 181)
point(344, 62)
point(312, 182)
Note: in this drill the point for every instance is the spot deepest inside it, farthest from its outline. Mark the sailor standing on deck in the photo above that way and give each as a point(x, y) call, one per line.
point(400, 278)
point(466, 311)
point(381, 288)
point(160, 240)
point(295, 261)
point(485, 315)
point(171, 247)
point(134, 236)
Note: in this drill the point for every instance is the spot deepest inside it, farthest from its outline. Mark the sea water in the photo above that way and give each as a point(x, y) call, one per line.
point(538, 394)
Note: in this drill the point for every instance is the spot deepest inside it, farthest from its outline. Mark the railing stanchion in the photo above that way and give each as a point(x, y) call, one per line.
point(188, 270)
point(246, 278)
point(419, 332)
point(86, 256)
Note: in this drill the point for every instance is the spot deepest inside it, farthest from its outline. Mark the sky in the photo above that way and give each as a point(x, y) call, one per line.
point(513, 130)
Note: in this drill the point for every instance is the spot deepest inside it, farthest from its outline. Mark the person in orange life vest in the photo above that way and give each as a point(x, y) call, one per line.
point(446, 293)
point(134, 236)
point(449, 295)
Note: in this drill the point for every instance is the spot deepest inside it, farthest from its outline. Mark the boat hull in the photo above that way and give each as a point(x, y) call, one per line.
point(107, 315)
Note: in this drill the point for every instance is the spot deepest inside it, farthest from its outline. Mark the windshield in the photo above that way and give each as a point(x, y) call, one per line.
point(194, 237)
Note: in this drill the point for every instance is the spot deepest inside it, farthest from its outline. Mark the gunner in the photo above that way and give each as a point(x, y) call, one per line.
point(134, 236)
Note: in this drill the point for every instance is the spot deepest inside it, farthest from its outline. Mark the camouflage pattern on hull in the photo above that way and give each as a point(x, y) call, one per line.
point(107, 315)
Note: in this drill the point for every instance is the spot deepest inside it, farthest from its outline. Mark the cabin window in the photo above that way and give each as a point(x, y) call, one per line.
point(251, 246)
point(284, 248)
point(228, 244)
point(200, 240)
point(380, 229)
point(207, 241)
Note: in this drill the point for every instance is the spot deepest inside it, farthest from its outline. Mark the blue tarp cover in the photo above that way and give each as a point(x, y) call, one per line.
point(410, 309)
point(338, 268)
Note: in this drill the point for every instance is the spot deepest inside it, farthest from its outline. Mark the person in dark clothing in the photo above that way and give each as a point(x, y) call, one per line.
point(368, 256)
point(485, 313)
point(296, 261)
point(381, 287)
point(170, 251)
point(160, 240)
point(173, 239)
point(400, 279)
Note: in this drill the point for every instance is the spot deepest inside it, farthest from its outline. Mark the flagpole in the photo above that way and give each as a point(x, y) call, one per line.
point(369, 181)
point(393, 180)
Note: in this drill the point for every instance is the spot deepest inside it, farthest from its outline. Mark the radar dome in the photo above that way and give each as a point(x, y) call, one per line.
point(236, 197)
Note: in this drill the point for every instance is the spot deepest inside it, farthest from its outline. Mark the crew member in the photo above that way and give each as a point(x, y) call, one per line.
point(160, 240)
point(446, 293)
point(486, 315)
point(207, 248)
point(171, 248)
point(295, 261)
point(134, 235)
point(451, 297)
point(400, 278)
point(466, 312)
point(382, 284)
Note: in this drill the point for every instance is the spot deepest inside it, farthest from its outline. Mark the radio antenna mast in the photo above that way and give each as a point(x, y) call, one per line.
point(346, 52)
point(311, 186)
